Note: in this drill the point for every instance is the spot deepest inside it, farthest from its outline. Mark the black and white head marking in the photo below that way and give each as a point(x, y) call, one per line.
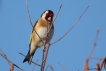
point(47, 15)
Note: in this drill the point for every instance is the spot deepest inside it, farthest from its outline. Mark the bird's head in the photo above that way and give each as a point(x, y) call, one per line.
point(47, 15)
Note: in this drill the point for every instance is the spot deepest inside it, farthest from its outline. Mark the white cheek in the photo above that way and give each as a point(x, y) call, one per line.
point(43, 17)
point(49, 18)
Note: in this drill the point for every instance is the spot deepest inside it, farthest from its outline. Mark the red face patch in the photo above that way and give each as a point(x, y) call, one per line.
point(49, 15)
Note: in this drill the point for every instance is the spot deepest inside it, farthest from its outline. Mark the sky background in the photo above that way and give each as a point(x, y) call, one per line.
point(71, 51)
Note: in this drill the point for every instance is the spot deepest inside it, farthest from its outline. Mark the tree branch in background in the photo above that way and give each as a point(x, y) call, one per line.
point(71, 27)
point(62, 67)
point(51, 67)
point(34, 65)
point(94, 45)
point(55, 18)
point(30, 20)
point(95, 58)
point(3, 55)
point(45, 53)
point(86, 67)
point(32, 61)
point(44, 57)
point(47, 67)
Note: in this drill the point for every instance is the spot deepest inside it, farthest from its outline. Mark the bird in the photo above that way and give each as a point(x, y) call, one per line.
point(41, 26)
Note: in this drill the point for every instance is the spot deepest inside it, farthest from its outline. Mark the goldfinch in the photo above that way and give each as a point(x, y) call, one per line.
point(41, 26)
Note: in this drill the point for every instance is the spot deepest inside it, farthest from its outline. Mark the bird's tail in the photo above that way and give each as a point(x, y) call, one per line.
point(28, 58)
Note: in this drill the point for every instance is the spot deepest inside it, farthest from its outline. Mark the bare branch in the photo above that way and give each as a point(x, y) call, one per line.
point(57, 13)
point(55, 18)
point(94, 45)
point(4, 56)
point(34, 65)
point(48, 29)
point(95, 58)
point(51, 67)
point(12, 62)
point(86, 67)
point(47, 67)
point(71, 27)
point(31, 22)
point(62, 67)
point(2, 52)
point(44, 57)
point(47, 48)
point(32, 61)
point(11, 67)
point(28, 13)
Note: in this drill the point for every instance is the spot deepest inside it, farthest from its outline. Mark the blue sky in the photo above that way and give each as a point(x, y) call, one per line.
point(72, 50)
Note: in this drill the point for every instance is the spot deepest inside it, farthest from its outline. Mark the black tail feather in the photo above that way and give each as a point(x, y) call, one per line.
point(27, 58)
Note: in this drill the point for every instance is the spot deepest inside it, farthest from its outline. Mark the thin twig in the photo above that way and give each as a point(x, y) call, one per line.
point(5, 56)
point(94, 45)
point(45, 53)
point(12, 63)
point(57, 12)
point(51, 67)
point(34, 65)
point(55, 18)
point(31, 22)
point(48, 29)
point(32, 61)
point(95, 58)
point(28, 13)
point(47, 67)
point(2, 52)
point(62, 67)
point(71, 27)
